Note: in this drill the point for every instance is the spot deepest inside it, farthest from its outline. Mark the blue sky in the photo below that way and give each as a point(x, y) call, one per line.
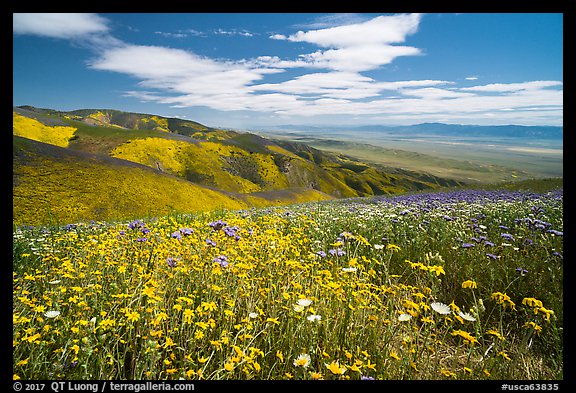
point(252, 70)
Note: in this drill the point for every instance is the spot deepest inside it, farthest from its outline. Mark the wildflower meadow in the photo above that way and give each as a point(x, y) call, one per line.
point(464, 284)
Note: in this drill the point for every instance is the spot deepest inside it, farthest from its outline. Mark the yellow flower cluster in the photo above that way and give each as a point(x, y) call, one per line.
point(437, 269)
point(538, 307)
point(503, 299)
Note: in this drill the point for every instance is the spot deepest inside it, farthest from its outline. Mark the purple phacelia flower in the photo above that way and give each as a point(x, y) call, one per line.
point(171, 261)
point(71, 365)
point(186, 231)
point(322, 254)
point(467, 245)
point(507, 236)
point(211, 242)
point(555, 232)
point(230, 231)
point(338, 252)
point(222, 260)
point(136, 224)
point(522, 271)
point(489, 244)
point(177, 235)
point(492, 256)
point(142, 240)
point(217, 225)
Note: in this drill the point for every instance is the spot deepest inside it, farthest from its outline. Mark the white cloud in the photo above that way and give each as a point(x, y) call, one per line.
point(278, 37)
point(325, 85)
point(511, 87)
point(148, 62)
point(171, 35)
point(348, 85)
point(182, 78)
point(194, 33)
point(416, 83)
point(244, 33)
point(358, 58)
point(359, 46)
point(434, 93)
point(67, 25)
point(471, 78)
point(182, 33)
point(379, 30)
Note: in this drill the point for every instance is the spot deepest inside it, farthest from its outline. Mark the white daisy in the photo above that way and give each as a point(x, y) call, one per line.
point(54, 282)
point(303, 360)
point(349, 269)
point(314, 318)
point(304, 302)
point(441, 308)
point(51, 314)
point(467, 316)
point(253, 315)
point(404, 317)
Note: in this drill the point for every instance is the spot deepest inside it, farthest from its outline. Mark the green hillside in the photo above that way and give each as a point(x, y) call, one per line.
point(98, 171)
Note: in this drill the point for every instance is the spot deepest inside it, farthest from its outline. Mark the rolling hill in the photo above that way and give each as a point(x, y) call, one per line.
point(107, 164)
point(52, 185)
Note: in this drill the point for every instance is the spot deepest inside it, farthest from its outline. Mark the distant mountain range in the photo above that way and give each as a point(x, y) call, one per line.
point(505, 131)
point(108, 164)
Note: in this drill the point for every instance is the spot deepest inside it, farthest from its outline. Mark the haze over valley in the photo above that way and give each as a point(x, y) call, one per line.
point(495, 152)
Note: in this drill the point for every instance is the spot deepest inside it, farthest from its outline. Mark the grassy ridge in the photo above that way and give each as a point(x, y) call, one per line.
point(65, 186)
point(67, 189)
point(35, 130)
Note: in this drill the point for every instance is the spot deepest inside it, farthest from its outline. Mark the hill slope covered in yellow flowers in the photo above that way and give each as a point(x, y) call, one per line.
point(107, 164)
